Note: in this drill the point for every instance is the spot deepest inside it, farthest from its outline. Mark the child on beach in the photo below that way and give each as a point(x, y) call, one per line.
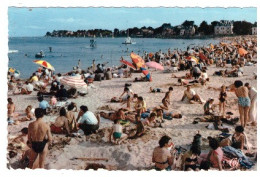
point(166, 99)
point(222, 100)
point(117, 133)
point(208, 107)
point(140, 106)
point(29, 114)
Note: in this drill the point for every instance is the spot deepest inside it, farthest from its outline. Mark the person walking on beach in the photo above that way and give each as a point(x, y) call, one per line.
point(39, 136)
point(253, 106)
point(222, 100)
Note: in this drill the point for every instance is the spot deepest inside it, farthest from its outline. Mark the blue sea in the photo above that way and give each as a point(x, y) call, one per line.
point(67, 51)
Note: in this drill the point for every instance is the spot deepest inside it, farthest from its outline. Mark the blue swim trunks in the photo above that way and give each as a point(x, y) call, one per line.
point(244, 101)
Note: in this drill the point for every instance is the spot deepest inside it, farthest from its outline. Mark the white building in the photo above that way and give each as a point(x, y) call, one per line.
point(254, 31)
point(224, 27)
point(188, 31)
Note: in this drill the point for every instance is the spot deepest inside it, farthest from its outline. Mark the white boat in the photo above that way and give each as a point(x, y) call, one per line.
point(13, 51)
point(128, 40)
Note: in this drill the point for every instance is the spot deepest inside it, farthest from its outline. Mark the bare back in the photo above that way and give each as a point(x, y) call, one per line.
point(38, 130)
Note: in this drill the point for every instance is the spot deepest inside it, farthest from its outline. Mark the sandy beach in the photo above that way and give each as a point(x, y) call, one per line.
point(136, 154)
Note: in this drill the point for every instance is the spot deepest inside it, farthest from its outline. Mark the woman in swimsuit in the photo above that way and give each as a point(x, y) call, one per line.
point(243, 101)
point(190, 159)
point(215, 156)
point(162, 156)
point(238, 138)
point(222, 99)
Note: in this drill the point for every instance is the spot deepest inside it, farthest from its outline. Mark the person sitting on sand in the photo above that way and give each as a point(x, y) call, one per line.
point(23, 137)
point(117, 133)
point(191, 95)
point(208, 109)
point(29, 114)
point(10, 110)
point(128, 103)
point(190, 159)
point(39, 136)
point(166, 99)
point(54, 88)
point(154, 90)
point(43, 104)
point(162, 156)
point(61, 125)
point(62, 94)
point(215, 156)
point(140, 106)
point(25, 90)
point(222, 100)
point(87, 121)
point(72, 123)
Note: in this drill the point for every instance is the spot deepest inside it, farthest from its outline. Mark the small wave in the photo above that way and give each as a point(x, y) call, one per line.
point(13, 51)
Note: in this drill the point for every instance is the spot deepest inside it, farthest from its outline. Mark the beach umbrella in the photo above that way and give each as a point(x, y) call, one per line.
point(44, 63)
point(242, 51)
point(128, 63)
point(146, 73)
point(137, 60)
point(193, 59)
point(202, 56)
point(155, 65)
point(74, 82)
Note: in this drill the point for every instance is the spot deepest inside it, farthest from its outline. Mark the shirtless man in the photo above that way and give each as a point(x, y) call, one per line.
point(10, 108)
point(61, 124)
point(191, 95)
point(166, 99)
point(37, 132)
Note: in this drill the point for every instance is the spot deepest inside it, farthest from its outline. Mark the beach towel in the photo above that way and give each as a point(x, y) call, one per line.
point(237, 153)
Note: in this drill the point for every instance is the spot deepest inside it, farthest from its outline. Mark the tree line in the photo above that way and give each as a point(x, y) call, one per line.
point(165, 30)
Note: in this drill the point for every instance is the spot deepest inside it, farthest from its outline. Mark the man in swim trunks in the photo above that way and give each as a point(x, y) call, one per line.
point(39, 136)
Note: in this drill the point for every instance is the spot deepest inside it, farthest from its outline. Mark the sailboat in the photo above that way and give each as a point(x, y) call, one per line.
point(93, 42)
point(128, 40)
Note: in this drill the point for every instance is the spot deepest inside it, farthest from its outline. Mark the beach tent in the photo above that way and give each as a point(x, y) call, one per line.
point(146, 73)
point(128, 63)
point(74, 82)
point(155, 65)
point(242, 51)
point(44, 63)
point(137, 60)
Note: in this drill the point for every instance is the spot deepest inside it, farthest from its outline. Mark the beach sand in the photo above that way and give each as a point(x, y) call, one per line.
point(136, 154)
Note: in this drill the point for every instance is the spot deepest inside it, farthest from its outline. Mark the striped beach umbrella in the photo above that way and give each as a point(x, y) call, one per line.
point(74, 82)
point(128, 63)
point(146, 73)
point(44, 63)
point(137, 60)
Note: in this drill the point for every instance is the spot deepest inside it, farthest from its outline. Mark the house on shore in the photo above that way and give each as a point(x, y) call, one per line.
point(254, 30)
point(187, 31)
point(224, 27)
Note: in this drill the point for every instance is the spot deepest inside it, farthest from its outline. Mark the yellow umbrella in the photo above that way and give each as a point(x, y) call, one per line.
point(44, 63)
point(137, 60)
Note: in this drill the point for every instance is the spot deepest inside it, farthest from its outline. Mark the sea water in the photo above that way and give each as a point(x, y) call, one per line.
point(67, 51)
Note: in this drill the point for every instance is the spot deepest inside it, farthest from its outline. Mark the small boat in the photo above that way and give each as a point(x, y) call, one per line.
point(39, 55)
point(13, 51)
point(93, 43)
point(128, 40)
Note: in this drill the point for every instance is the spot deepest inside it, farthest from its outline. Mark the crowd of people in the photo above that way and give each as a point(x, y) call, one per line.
point(137, 111)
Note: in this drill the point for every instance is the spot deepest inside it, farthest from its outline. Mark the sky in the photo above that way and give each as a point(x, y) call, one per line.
point(37, 21)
